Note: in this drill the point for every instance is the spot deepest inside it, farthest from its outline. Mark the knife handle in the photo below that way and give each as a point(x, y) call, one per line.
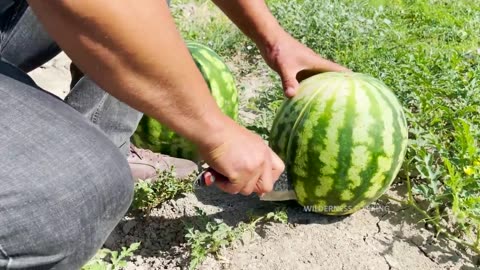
point(207, 177)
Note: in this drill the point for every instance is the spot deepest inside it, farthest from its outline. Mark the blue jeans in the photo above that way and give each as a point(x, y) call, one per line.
point(64, 183)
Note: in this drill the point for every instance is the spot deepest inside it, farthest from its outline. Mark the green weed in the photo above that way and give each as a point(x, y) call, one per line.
point(264, 106)
point(151, 193)
point(211, 236)
point(106, 259)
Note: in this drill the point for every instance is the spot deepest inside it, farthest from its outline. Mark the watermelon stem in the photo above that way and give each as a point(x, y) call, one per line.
point(396, 200)
point(477, 242)
point(409, 185)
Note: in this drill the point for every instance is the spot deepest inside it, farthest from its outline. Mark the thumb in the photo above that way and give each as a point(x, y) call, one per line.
point(289, 83)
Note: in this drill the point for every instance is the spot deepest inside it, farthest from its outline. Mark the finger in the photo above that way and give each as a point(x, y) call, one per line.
point(252, 180)
point(244, 186)
point(250, 187)
point(229, 187)
point(319, 66)
point(223, 182)
point(265, 182)
point(289, 83)
point(277, 166)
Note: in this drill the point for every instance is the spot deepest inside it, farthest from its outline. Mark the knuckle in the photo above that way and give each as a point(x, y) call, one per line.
point(233, 175)
point(251, 186)
point(252, 165)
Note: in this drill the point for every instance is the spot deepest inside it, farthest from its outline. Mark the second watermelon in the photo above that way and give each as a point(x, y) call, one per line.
point(151, 134)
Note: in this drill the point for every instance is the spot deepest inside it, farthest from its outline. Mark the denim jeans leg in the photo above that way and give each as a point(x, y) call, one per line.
point(64, 185)
point(24, 42)
point(115, 118)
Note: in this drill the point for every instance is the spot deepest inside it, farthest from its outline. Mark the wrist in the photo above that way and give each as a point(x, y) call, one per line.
point(269, 36)
point(270, 46)
point(214, 131)
point(254, 19)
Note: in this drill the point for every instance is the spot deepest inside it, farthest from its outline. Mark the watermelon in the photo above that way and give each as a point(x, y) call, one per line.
point(343, 139)
point(150, 134)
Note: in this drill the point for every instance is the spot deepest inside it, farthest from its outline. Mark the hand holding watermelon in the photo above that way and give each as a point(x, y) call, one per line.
point(292, 60)
point(295, 62)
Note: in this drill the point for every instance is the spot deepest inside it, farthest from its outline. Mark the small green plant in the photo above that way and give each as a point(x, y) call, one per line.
point(214, 235)
point(264, 106)
point(151, 193)
point(106, 259)
point(449, 185)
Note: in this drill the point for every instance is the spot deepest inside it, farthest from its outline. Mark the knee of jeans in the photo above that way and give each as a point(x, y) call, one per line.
point(92, 211)
point(114, 177)
point(110, 193)
point(73, 221)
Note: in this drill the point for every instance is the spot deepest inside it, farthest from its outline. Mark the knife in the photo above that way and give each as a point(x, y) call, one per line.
point(282, 189)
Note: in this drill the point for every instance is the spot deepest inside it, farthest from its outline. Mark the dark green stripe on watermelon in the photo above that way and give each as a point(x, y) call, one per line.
point(314, 165)
point(221, 81)
point(399, 139)
point(375, 150)
point(346, 142)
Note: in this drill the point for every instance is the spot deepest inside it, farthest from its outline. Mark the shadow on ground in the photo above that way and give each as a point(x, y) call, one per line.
point(162, 233)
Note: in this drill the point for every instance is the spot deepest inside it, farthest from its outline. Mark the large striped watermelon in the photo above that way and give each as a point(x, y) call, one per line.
point(343, 138)
point(152, 135)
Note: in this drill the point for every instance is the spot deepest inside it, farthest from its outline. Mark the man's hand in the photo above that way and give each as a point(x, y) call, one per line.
point(295, 62)
point(246, 161)
point(292, 60)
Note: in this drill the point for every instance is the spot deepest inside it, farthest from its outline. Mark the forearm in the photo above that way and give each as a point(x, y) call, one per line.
point(133, 51)
point(254, 19)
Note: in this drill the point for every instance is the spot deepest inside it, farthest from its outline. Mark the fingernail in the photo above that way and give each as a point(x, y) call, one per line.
point(289, 92)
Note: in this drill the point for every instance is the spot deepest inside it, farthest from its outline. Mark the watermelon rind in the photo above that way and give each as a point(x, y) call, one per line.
point(343, 138)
